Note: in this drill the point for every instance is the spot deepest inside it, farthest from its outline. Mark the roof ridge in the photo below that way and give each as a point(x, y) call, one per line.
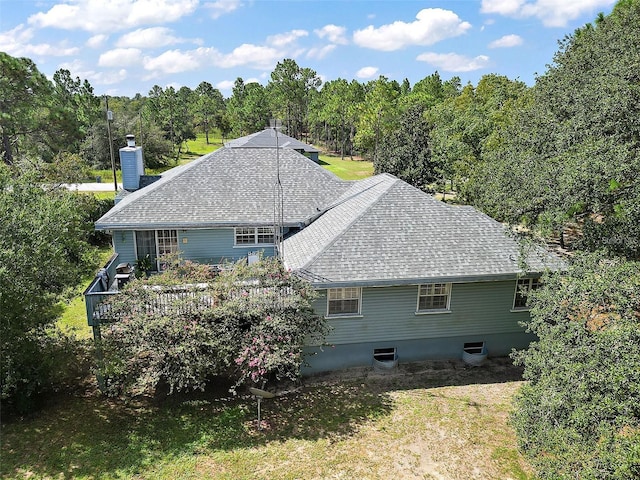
point(329, 244)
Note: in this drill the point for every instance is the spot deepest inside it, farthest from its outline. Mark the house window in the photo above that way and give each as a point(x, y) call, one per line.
point(155, 243)
point(523, 287)
point(254, 235)
point(167, 241)
point(434, 296)
point(344, 301)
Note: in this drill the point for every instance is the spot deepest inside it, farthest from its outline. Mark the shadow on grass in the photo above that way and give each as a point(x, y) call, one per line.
point(95, 437)
point(99, 438)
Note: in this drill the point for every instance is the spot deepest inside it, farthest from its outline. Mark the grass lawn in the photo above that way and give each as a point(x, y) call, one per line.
point(190, 151)
point(347, 169)
point(196, 148)
point(428, 420)
point(74, 314)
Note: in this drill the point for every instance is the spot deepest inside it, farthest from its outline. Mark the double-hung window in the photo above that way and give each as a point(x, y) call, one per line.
point(433, 297)
point(344, 301)
point(523, 287)
point(254, 236)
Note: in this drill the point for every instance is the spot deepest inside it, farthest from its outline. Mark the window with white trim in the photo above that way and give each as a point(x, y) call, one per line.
point(523, 287)
point(434, 297)
point(254, 236)
point(167, 241)
point(344, 301)
point(152, 244)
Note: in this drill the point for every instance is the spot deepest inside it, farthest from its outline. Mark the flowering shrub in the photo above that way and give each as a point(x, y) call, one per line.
point(249, 323)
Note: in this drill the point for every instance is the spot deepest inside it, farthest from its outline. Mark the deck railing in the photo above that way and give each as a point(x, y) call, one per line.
point(180, 300)
point(100, 289)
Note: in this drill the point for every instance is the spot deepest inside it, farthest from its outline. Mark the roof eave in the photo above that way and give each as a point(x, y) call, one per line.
point(394, 282)
point(187, 226)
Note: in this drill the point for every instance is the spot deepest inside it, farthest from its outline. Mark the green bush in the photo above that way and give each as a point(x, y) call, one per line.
point(39, 362)
point(249, 324)
point(579, 415)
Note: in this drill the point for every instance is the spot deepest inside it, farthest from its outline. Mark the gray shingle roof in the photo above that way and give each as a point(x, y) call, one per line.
point(267, 139)
point(231, 186)
point(383, 231)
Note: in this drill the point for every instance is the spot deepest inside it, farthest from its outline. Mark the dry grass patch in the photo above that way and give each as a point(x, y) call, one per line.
point(435, 420)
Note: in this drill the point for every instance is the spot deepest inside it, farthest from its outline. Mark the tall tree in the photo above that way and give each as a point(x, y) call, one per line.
point(378, 115)
point(209, 107)
point(334, 111)
point(248, 109)
point(464, 124)
point(171, 110)
point(74, 110)
point(290, 89)
point(406, 151)
point(431, 90)
point(25, 96)
point(573, 153)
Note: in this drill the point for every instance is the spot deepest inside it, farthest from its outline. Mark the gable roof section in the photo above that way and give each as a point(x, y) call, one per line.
point(267, 139)
point(229, 187)
point(383, 231)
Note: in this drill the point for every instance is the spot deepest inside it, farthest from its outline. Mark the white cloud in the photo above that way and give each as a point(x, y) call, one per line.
point(45, 49)
point(452, 62)
point(287, 38)
point(15, 42)
point(225, 85)
point(320, 52)
point(120, 57)
point(173, 61)
point(333, 33)
point(367, 72)
point(432, 25)
point(247, 55)
point(506, 41)
point(97, 40)
point(149, 38)
point(502, 7)
point(552, 13)
point(108, 78)
point(78, 69)
point(253, 56)
point(222, 7)
point(100, 16)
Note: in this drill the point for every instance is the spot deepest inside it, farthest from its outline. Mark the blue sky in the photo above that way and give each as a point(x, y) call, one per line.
point(124, 47)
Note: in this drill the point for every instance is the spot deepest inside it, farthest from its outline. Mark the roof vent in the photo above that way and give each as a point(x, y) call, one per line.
point(131, 140)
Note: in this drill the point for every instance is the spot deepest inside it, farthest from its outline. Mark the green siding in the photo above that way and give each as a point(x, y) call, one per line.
point(389, 314)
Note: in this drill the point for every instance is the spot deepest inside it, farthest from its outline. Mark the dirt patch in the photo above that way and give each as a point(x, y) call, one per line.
point(428, 373)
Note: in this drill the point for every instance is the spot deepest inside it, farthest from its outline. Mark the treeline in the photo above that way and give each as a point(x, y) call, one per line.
point(560, 158)
point(554, 156)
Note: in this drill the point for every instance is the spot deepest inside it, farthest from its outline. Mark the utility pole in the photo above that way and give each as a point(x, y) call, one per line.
point(113, 161)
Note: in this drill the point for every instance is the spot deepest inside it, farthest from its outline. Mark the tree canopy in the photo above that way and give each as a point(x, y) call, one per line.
point(570, 153)
point(579, 415)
